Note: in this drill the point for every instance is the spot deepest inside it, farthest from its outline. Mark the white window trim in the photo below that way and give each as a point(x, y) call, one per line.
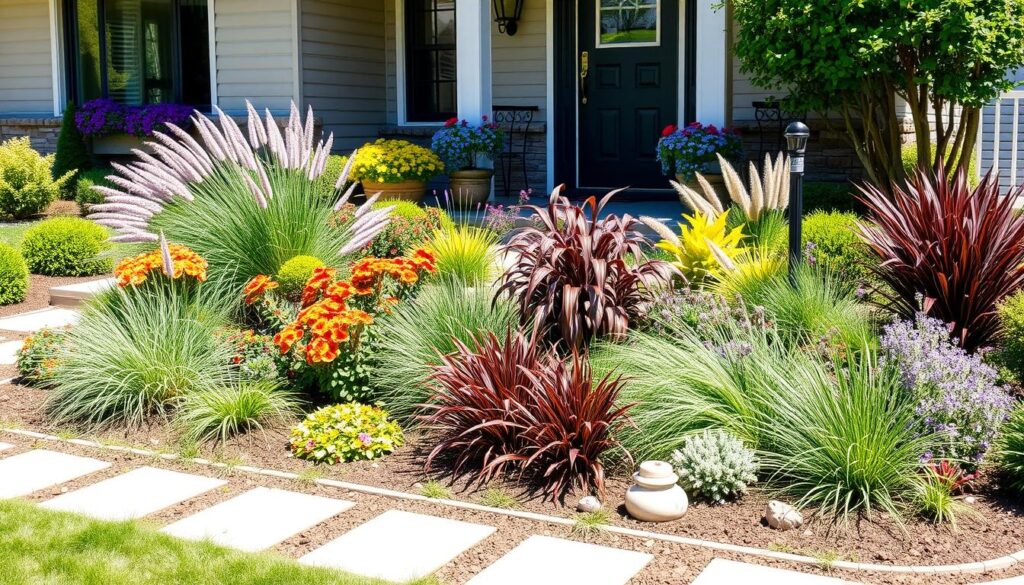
point(56, 59)
point(400, 96)
point(211, 14)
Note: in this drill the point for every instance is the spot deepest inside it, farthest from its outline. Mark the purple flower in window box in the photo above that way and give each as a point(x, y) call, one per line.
point(100, 117)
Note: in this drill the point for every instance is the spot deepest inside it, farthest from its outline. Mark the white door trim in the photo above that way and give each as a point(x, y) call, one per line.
point(56, 60)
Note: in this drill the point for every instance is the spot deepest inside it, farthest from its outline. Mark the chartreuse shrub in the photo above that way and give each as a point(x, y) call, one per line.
point(465, 253)
point(714, 465)
point(831, 241)
point(1010, 354)
point(26, 184)
point(327, 184)
point(40, 354)
point(294, 273)
point(413, 339)
point(908, 154)
point(346, 432)
point(221, 412)
point(13, 276)
point(85, 183)
point(66, 246)
point(1009, 451)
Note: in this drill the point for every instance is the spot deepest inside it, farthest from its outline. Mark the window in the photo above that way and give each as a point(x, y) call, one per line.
point(430, 60)
point(628, 23)
point(138, 51)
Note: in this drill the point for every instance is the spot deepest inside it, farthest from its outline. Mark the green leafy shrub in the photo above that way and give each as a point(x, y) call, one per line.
point(909, 156)
point(85, 195)
point(39, 356)
point(72, 154)
point(221, 412)
point(137, 352)
point(26, 183)
point(13, 276)
point(830, 240)
point(822, 196)
point(66, 246)
point(294, 273)
point(412, 340)
point(324, 184)
point(346, 432)
point(465, 253)
point(715, 466)
point(1010, 355)
point(1009, 451)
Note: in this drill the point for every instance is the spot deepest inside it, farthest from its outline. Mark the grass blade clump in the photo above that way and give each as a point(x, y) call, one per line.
point(222, 412)
point(465, 253)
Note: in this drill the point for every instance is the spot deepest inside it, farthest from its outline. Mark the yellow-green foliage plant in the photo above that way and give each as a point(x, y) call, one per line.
point(26, 183)
point(295, 272)
point(465, 254)
point(705, 247)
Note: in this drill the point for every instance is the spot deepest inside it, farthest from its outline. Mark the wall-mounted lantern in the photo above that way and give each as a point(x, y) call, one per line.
point(507, 14)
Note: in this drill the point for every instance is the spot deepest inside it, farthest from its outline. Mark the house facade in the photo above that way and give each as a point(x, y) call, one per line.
point(598, 79)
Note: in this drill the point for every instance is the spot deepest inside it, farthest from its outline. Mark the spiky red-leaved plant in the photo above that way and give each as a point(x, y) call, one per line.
point(505, 406)
point(960, 249)
point(571, 277)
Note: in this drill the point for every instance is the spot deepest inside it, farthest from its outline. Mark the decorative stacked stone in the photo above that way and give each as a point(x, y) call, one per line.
point(42, 131)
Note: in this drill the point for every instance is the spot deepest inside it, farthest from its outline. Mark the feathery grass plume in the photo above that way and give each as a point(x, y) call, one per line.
point(245, 204)
point(770, 193)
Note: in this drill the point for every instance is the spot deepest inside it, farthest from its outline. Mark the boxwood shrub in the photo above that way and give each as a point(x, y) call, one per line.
point(66, 246)
point(85, 195)
point(836, 245)
point(13, 276)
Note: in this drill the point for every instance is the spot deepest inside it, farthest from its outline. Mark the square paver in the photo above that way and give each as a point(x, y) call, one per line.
point(73, 295)
point(27, 472)
point(52, 317)
point(543, 560)
point(6, 446)
point(724, 572)
point(398, 546)
point(134, 494)
point(258, 519)
point(9, 352)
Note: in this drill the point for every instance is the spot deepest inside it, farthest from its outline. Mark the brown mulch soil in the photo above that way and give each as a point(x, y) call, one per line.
point(997, 528)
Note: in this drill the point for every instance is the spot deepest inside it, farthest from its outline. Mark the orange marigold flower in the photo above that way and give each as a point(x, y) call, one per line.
point(321, 351)
point(287, 337)
point(257, 287)
point(135, 271)
point(317, 284)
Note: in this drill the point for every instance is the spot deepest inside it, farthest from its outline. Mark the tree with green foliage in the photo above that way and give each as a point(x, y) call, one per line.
point(856, 57)
point(72, 153)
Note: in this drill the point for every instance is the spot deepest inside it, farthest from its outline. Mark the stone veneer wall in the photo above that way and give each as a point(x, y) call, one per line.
point(43, 132)
point(830, 156)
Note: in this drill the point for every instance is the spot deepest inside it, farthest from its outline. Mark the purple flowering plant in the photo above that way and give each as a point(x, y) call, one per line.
point(459, 143)
point(502, 219)
point(959, 399)
point(685, 151)
point(101, 117)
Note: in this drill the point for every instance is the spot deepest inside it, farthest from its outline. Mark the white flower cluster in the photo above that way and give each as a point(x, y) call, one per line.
point(714, 465)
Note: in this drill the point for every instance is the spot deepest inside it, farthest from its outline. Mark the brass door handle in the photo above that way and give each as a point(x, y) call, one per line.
point(584, 71)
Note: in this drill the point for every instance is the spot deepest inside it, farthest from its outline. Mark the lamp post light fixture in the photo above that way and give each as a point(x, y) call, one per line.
point(797, 134)
point(507, 14)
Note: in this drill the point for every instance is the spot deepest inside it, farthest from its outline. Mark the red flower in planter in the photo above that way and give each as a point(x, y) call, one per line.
point(451, 122)
point(712, 129)
point(668, 130)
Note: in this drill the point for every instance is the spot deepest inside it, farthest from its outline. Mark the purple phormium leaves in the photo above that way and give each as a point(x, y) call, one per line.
point(958, 396)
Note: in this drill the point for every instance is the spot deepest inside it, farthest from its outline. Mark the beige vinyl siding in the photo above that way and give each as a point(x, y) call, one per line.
point(343, 76)
point(26, 74)
point(256, 45)
point(519, 63)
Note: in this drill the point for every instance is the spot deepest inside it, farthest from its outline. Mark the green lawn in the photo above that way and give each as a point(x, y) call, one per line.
point(43, 547)
point(11, 233)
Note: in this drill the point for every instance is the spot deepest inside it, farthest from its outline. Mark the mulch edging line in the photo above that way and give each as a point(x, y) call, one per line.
point(962, 568)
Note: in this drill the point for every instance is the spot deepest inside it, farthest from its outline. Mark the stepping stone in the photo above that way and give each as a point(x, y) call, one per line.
point(543, 560)
point(6, 446)
point(723, 572)
point(258, 519)
point(73, 295)
point(25, 473)
point(52, 317)
point(9, 352)
point(134, 494)
point(398, 546)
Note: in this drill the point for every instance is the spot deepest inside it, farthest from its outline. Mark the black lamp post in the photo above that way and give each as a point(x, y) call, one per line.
point(797, 134)
point(507, 14)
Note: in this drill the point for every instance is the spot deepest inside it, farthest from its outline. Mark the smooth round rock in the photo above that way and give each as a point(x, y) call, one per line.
point(588, 504)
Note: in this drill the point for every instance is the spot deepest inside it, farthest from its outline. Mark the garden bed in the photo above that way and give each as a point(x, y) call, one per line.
point(997, 529)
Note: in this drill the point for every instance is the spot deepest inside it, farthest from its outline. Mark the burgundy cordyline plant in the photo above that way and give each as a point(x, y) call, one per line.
point(180, 164)
point(961, 249)
point(578, 276)
point(506, 406)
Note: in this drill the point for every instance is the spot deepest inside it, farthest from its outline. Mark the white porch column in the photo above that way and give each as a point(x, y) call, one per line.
point(473, 58)
point(712, 48)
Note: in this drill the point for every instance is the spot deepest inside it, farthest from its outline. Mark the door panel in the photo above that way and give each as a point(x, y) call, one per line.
point(629, 91)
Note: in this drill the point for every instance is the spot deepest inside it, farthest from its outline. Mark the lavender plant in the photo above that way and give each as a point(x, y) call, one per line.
point(246, 205)
point(958, 397)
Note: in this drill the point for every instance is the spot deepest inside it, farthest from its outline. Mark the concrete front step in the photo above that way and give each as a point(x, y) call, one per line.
point(74, 295)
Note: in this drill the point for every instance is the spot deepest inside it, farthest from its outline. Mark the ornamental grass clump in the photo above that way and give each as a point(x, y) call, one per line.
point(246, 205)
point(958, 247)
point(957, 397)
point(465, 253)
point(1009, 451)
point(505, 406)
point(578, 275)
point(715, 465)
point(346, 432)
point(221, 412)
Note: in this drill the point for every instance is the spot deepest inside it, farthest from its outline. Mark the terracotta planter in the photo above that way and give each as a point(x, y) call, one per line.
point(717, 181)
point(470, 188)
point(404, 191)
